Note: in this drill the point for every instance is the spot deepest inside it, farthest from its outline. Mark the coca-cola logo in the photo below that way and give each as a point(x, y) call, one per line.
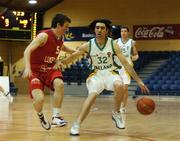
point(154, 32)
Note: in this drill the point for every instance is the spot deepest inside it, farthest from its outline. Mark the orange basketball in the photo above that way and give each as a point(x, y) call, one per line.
point(145, 105)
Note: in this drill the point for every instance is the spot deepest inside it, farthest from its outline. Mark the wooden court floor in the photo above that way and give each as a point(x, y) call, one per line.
point(20, 122)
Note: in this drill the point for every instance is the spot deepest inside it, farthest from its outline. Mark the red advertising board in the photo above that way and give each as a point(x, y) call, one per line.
point(156, 32)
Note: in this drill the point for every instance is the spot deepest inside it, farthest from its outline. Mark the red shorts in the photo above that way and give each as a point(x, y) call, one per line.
point(40, 79)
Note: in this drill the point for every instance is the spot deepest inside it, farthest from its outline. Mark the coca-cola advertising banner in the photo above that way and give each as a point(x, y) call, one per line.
point(156, 32)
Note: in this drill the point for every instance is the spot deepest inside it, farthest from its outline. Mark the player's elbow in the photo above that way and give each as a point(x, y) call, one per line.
point(27, 52)
point(135, 57)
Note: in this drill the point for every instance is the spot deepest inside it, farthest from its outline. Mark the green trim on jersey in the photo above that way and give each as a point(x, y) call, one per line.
point(112, 45)
point(114, 63)
point(126, 41)
point(103, 45)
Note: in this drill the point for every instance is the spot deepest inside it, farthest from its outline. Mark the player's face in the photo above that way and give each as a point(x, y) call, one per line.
point(62, 29)
point(124, 33)
point(100, 30)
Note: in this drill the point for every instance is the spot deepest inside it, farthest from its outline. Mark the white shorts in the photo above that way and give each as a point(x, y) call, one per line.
point(100, 80)
point(126, 78)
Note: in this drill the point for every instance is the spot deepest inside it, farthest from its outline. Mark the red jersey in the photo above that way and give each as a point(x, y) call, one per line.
point(43, 58)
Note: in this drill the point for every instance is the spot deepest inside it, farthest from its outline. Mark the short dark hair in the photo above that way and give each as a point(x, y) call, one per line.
point(107, 22)
point(125, 27)
point(61, 19)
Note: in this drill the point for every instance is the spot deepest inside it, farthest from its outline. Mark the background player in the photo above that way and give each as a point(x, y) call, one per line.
point(128, 48)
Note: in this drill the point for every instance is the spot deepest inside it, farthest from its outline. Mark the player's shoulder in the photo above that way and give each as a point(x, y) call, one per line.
point(118, 40)
point(92, 40)
point(42, 35)
point(133, 41)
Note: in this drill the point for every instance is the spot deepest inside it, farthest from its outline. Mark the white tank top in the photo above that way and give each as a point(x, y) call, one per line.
point(126, 49)
point(102, 57)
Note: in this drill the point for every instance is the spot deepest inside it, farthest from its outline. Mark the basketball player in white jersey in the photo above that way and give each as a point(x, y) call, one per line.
point(101, 50)
point(128, 48)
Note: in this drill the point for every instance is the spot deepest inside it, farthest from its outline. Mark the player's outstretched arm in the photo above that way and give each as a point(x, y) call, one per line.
point(68, 49)
point(74, 56)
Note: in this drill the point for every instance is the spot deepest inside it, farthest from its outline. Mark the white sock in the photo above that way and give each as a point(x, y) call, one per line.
point(56, 112)
point(122, 105)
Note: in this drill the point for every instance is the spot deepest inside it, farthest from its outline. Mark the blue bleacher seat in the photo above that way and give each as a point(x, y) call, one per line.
point(166, 80)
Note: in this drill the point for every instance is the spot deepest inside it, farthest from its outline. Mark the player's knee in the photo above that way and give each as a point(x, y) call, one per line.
point(93, 94)
point(38, 95)
point(58, 84)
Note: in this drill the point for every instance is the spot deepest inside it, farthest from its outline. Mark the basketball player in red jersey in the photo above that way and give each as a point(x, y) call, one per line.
point(40, 57)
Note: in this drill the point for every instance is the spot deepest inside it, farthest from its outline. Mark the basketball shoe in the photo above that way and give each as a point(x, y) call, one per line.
point(118, 119)
point(58, 122)
point(44, 122)
point(74, 131)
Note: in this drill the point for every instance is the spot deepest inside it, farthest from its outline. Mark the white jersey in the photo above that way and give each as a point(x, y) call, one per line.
point(104, 75)
point(126, 48)
point(102, 57)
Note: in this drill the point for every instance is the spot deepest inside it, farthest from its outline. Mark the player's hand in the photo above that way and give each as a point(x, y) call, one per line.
point(58, 65)
point(27, 73)
point(144, 88)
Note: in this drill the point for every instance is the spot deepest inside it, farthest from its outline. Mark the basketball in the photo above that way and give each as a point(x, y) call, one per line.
point(145, 105)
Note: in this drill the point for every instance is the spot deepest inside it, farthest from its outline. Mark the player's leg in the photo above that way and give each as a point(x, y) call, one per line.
point(126, 80)
point(38, 99)
point(95, 86)
point(86, 107)
point(118, 95)
point(118, 98)
point(58, 93)
point(125, 98)
point(54, 82)
point(57, 120)
point(83, 114)
point(114, 82)
point(37, 95)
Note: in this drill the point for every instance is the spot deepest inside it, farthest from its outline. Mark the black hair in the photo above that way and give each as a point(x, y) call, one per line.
point(125, 27)
point(115, 32)
point(107, 22)
point(59, 19)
